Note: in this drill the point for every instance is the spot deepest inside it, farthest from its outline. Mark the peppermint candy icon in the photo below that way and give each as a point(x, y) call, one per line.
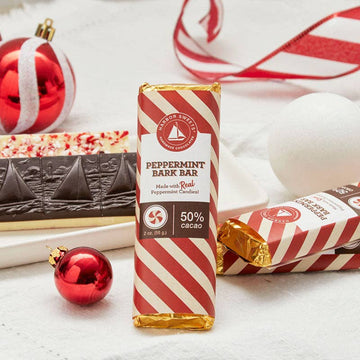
point(155, 216)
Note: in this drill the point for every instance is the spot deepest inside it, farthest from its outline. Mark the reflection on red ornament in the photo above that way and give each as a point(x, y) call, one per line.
point(82, 275)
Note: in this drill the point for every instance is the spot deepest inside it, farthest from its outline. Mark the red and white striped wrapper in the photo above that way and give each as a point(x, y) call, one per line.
point(328, 49)
point(296, 229)
point(176, 275)
point(230, 263)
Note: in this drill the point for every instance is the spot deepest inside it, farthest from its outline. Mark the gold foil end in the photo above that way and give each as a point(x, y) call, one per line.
point(174, 321)
point(216, 87)
point(144, 87)
point(245, 242)
point(220, 250)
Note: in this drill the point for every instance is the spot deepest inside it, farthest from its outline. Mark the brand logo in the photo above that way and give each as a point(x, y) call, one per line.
point(176, 132)
point(354, 202)
point(281, 214)
point(155, 216)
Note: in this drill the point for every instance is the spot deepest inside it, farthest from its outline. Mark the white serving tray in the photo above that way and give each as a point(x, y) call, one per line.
point(238, 193)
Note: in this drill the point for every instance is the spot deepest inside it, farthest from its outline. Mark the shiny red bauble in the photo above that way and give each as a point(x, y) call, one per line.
point(37, 85)
point(83, 275)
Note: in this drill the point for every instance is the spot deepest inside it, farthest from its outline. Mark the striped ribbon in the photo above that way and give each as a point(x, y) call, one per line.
point(326, 50)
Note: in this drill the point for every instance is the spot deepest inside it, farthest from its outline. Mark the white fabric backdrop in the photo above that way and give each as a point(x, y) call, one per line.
point(114, 46)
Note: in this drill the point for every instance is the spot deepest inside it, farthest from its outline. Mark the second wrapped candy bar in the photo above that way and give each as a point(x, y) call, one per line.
point(296, 229)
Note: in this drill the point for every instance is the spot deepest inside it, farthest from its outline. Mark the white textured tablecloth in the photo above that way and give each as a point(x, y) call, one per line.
point(114, 46)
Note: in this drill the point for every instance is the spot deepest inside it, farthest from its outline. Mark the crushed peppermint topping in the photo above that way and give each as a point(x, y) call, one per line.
point(39, 145)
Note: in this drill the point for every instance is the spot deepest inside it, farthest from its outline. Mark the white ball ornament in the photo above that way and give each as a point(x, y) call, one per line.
point(314, 145)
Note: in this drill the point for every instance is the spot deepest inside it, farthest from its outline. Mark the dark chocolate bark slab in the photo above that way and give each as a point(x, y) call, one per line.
point(57, 187)
point(118, 182)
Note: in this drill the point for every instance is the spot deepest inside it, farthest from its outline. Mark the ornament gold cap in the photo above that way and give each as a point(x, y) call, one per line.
point(46, 30)
point(56, 254)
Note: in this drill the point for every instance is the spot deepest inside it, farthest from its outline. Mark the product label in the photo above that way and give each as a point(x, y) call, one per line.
point(318, 209)
point(175, 180)
point(176, 132)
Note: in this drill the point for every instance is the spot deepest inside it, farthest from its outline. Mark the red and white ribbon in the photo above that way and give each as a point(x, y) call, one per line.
point(326, 50)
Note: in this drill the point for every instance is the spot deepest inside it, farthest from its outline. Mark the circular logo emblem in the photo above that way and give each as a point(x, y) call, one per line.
point(176, 132)
point(354, 202)
point(281, 214)
point(155, 217)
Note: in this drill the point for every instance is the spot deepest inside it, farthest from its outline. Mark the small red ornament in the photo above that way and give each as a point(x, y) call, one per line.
point(82, 275)
point(37, 83)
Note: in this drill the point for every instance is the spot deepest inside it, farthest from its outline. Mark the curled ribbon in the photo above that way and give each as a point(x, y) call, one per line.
point(328, 49)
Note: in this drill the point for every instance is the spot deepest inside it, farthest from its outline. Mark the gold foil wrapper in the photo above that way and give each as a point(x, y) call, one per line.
point(220, 250)
point(174, 321)
point(216, 87)
point(245, 242)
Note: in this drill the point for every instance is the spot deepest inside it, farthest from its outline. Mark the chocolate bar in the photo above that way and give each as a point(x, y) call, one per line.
point(296, 229)
point(343, 258)
point(57, 144)
point(65, 191)
point(177, 182)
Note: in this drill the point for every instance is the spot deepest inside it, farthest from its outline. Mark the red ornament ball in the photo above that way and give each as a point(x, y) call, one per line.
point(37, 85)
point(82, 275)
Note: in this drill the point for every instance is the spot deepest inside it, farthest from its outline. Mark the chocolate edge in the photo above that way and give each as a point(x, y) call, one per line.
point(99, 171)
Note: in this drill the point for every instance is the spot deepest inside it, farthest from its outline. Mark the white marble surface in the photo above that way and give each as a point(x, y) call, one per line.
point(114, 45)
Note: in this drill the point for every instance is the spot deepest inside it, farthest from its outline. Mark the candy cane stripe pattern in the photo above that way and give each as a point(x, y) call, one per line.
point(176, 206)
point(231, 264)
point(328, 49)
point(296, 229)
